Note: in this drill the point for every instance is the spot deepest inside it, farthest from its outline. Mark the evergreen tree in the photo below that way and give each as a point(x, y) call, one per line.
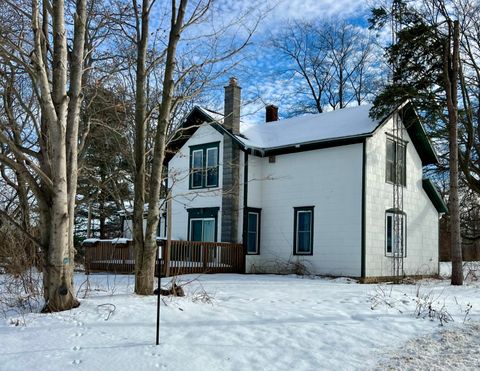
point(425, 69)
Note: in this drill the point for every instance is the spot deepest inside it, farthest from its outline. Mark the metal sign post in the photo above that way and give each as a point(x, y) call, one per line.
point(159, 281)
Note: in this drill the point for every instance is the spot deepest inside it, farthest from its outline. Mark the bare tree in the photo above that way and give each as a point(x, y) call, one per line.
point(334, 60)
point(48, 163)
point(451, 59)
point(182, 73)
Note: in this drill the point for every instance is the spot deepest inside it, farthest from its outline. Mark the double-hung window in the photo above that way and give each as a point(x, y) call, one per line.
point(204, 166)
point(396, 167)
point(303, 231)
point(395, 234)
point(253, 231)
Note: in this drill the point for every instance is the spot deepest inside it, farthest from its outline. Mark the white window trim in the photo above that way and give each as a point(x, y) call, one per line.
point(194, 169)
point(309, 252)
point(207, 167)
point(397, 144)
point(403, 218)
point(203, 220)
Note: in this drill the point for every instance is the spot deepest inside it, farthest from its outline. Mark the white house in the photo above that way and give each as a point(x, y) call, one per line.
point(338, 192)
point(126, 216)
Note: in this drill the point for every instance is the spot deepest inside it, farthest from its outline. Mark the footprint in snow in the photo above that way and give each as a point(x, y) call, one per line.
point(78, 334)
point(76, 348)
point(76, 362)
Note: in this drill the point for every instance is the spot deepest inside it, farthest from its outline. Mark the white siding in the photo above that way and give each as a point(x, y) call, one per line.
point(183, 198)
point(330, 180)
point(422, 217)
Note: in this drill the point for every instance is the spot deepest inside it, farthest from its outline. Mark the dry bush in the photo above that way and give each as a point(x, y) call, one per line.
point(382, 296)
point(282, 266)
point(177, 289)
point(471, 271)
point(20, 281)
point(429, 305)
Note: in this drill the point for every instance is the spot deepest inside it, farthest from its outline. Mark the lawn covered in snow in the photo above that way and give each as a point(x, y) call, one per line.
point(250, 322)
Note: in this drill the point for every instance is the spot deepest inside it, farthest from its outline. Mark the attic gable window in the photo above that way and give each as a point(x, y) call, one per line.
point(396, 152)
point(204, 166)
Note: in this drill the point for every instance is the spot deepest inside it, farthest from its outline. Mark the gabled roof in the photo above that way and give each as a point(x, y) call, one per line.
point(434, 196)
point(345, 126)
point(347, 122)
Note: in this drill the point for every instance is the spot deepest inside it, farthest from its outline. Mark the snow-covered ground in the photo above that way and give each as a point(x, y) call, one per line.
point(252, 322)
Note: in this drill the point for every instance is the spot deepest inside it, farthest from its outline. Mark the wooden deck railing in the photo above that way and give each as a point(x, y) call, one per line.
point(185, 257)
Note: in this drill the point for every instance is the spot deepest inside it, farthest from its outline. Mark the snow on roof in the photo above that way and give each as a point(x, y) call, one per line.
point(214, 115)
point(346, 122)
point(128, 208)
point(218, 117)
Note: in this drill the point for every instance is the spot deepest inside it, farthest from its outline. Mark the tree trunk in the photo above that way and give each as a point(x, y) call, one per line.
point(139, 148)
point(451, 63)
point(145, 279)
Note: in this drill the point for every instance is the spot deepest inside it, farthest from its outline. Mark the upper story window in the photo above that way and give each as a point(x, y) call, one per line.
point(204, 166)
point(396, 153)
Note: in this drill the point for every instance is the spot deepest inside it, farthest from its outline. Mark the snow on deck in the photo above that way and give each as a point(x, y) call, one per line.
point(255, 322)
point(173, 263)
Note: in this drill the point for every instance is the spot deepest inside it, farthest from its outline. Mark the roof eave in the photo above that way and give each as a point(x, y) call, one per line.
point(434, 196)
point(307, 146)
point(415, 130)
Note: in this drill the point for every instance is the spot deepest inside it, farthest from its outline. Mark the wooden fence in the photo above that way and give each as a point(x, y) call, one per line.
point(185, 257)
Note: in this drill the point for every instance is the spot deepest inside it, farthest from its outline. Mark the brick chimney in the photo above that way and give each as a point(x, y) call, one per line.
point(232, 106)
point(231, 164)
point(271, 113)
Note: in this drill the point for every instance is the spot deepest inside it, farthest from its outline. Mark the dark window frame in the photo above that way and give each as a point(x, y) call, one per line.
point(390, 163)
point(203, 148)
point(254, 210)
point(203, 213)
point(403, 215)
point(296, 210)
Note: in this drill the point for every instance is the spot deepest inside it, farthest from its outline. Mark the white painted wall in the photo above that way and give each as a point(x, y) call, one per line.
point(183, 198)
point(329, 179)
point(128, 227)
point(422, 217)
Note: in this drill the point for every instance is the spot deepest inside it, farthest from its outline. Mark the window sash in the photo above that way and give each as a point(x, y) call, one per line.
point(395, 151)
point(197, 169)
point(393, 245)
point(253, 232)
point(303, 232)
point(204, 167)
point(212, 167)
point(202, 229)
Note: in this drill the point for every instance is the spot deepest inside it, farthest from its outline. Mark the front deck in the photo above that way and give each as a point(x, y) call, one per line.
point(186, 257)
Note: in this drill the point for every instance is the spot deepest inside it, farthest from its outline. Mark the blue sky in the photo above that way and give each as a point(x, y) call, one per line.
point(261, 80)
point(259, 72)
